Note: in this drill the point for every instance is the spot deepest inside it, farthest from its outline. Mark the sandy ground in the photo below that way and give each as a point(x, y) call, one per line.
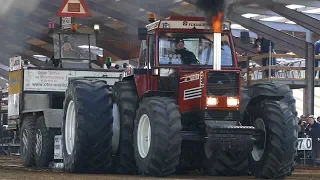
point(11, 169)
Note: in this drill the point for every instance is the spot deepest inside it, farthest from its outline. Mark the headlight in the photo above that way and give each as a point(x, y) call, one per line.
point(212, 101)
point(233, 101)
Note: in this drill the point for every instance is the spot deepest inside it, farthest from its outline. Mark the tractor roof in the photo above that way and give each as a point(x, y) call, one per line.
point(176, 22)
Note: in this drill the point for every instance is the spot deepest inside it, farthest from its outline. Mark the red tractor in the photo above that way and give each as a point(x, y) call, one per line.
point(182, 108)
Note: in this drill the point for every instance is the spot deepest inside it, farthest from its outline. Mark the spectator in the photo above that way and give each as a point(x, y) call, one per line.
point(318, 119)
point(316, 61)
point(302, 126)
point(262, 46)
point(313, 130)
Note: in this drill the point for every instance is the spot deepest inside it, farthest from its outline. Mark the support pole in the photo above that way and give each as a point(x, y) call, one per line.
point(309, 91)
point(306, 91)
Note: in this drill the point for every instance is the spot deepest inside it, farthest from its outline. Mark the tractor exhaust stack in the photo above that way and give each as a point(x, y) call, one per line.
point(216, 23)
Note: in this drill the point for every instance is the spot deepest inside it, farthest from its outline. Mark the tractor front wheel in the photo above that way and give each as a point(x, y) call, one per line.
point(273, 154)
point(157, 136)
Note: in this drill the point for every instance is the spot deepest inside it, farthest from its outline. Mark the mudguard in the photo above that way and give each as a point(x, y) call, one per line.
point(259, 92)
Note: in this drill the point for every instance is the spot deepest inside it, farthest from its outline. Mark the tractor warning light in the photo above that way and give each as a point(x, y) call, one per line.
point(152, 17)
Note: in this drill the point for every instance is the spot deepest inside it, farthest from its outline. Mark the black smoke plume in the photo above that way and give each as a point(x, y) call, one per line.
point(211, 8)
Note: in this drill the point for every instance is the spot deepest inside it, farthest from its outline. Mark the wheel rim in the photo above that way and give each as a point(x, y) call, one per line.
point(24, 141)
point(70, 127)
point(116, 128)
point(144, 136)
point(39, 142)
point(257, 152)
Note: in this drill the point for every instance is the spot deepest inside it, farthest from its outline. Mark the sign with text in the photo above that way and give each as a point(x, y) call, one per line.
point(58, 147)
point(57, 80)
point(304, 144)
point(15, 63)
point(66, 22)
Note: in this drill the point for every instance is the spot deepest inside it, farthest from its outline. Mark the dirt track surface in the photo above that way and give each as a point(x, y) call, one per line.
point(11, 169)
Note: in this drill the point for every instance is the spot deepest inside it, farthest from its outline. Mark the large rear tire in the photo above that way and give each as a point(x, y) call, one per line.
point(157, 136)
point(27, 139)
point(274, 156)
point(87, 127)
point(126, 102)
point(226, 163)
point(44, 148)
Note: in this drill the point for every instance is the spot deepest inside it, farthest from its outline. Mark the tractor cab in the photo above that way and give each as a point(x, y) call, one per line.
point(74, 50)
point(186, 42)
point(187, 57)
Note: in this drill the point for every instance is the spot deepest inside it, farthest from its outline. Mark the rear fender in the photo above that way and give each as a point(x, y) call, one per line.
point(260, 92)
point(128, 78)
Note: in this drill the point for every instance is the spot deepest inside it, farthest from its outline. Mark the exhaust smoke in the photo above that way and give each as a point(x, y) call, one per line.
point(211, 8)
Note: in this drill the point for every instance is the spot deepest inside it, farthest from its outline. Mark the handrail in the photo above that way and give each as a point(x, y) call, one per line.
point(266, 55)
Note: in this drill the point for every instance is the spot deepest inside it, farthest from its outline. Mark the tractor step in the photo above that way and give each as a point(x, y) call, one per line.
point(231, 137)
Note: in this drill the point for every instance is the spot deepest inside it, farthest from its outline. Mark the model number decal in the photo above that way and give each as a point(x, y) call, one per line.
point(190, 78)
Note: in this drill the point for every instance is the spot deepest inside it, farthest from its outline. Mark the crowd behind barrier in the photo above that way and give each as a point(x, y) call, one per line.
point(309, 140)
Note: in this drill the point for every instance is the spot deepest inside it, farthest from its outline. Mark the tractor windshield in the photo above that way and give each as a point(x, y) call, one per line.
point(192, 49)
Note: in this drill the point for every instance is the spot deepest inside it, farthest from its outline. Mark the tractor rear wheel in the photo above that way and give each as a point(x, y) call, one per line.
point(273, 155)
point(125, 104)
point(226, 163)
point(27, 141)
point(44, 148)
point(157, 136)
point(87, 127)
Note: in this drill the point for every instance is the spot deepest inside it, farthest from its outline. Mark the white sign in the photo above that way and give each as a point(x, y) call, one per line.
point(15, 63)
point(304, 144)
point(58, 147)
point(66, 22)
point(57, 80)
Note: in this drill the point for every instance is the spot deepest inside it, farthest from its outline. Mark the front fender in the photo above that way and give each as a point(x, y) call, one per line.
point(260, 92)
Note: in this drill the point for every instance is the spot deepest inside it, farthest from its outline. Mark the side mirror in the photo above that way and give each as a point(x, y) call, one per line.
point(142, 33)
point(245, 37)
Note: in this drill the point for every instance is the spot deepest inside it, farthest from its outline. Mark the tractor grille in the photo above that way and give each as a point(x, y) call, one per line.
point(216, 115)
point(223, 83)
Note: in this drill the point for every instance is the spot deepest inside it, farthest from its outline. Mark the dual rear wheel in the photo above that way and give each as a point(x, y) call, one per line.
point(102, 128)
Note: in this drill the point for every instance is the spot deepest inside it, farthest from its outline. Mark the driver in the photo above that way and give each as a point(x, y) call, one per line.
point(68, 52)
point(187, 57)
